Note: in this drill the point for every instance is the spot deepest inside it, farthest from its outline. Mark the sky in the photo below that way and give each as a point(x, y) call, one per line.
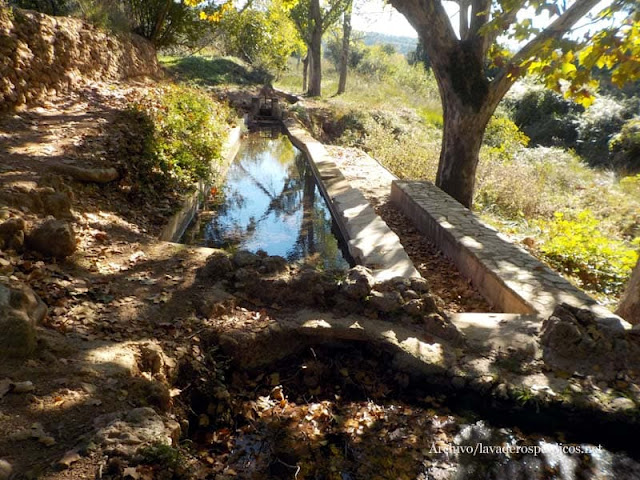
point(376, 16)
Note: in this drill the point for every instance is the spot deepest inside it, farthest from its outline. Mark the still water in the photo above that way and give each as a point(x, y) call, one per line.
point(271, 202)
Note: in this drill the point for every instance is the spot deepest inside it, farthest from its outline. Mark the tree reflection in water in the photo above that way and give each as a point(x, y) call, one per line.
point(272, 203)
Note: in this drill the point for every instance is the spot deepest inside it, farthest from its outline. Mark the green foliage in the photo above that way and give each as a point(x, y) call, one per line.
point(263, 38)
point(186, 130)
point(547, 118)
point(625, 147)
point(527, 183)
point(165, 22)
point(551, 120)
point(203, 71)
point(631, 185)
point(403, 143)
point(504, 137)
point(169, 461)
point(49, 7)
point(333, 48)
point(576, 246)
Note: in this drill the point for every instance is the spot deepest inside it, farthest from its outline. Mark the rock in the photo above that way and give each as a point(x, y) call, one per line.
point(124, 433)
point(56, 204)
point(6, 268)
point(5, 469)
point(214, 303)
point(20, 311)
point(358, 283)
point(574, 340)
point(273, 264)
point(410, 295)
point(54, 238)
point(23, 387)
point(413, 308)
point(614, 323)
point(155, 361)
point(244, 258)
point(385, 302)
point(89, 175)
point(68, 459)
point(218, 266)
point(12, 234)
point(440, 327)
point(420, 285)
point(623, 404)
point(458, 382)
point(429, 304)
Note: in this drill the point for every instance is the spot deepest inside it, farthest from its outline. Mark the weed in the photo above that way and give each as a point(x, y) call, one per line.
point(578, 247)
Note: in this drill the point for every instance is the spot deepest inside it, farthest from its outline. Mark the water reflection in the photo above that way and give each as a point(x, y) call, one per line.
point(272, 203)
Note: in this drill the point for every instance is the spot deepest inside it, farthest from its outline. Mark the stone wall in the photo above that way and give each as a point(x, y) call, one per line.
point(41, 56)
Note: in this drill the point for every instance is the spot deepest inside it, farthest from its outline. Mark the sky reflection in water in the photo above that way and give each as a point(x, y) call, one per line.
point(272, 203)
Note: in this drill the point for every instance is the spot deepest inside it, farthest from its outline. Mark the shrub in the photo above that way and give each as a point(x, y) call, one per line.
point(625, 147)
point(504, 137)
point(547, 118)
point(631, 185)
point(577, 247)
point(185, 132)
point(597, 125)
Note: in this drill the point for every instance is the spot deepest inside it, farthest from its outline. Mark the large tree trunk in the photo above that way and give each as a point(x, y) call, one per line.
point(629, 307)
point(344, 54)
point(468, 103)
point(315, 75)
point(462, 139)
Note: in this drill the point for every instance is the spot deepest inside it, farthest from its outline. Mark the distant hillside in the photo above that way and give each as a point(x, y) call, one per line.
point(403, 45)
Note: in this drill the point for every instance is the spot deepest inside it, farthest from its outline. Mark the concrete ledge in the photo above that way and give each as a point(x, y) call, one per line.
point(506, 275)
point(180, 221)
point(370, 241)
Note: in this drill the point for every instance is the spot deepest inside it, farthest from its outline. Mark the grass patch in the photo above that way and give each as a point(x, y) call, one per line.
point(212, 71)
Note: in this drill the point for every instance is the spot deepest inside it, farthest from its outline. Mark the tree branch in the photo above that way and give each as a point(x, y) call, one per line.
point(464, 19)
point(335, 10)
point(556, 30)
point(479, 15)
point(500, 24)
point(431, 21)
point(503, 81)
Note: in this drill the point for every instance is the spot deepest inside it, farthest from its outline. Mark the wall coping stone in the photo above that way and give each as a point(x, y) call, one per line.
point(506, 274)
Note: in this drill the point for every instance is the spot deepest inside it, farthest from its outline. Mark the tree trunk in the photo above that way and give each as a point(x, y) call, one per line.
point(344, 55)
point(315, 76)
point(461, 142)
point(159, 21)
point(629, 307)
point(305, 71)
point(468, 104)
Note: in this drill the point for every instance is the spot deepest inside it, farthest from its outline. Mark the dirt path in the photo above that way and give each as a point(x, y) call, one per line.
point(119, 297)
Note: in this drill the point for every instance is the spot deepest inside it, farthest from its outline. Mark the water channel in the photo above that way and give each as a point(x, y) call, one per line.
point(271, 202)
